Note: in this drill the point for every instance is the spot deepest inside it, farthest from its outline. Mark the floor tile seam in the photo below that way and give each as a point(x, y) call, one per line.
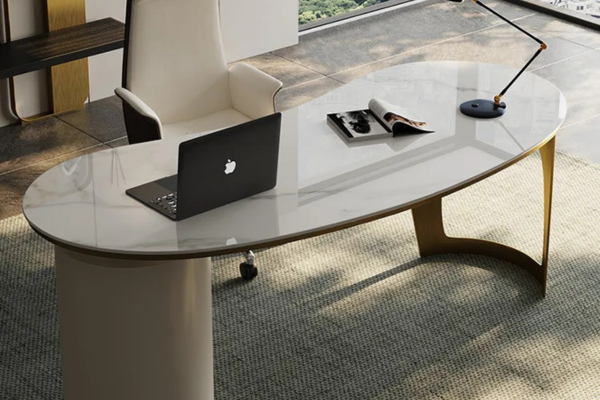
point(79, 129)
point(307, 82)
point(52, 158)
point(563, 60)
point(301, 65)
point(336, 79)
point(115, 140)
point(580, 121)
point(572, 41)
point(565, 38)
point(297, 63)
point(425, 47)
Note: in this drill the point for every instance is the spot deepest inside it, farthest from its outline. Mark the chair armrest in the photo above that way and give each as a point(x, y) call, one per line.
point(141, 122)
point(252, 91)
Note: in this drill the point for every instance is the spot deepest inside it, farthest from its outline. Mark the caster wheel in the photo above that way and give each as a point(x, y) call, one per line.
point(248, 271)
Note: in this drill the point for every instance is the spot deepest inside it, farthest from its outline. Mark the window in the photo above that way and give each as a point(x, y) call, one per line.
point(314, 10)
point(586, 7)
point(319, 12)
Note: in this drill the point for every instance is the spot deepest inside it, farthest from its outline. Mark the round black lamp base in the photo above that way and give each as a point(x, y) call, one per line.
point(482, 108)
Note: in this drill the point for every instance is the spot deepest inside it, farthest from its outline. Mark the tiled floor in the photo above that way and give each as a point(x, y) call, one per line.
point(326, 59)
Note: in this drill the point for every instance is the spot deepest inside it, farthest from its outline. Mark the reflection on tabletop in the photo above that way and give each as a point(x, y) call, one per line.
point(322, 180)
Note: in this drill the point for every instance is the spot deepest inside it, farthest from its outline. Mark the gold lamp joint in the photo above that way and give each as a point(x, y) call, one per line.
point(497, 99)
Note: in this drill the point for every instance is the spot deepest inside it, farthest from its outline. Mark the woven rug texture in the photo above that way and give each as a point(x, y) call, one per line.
point(357, 314)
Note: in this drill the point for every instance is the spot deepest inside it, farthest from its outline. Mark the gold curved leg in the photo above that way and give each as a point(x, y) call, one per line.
point(432, 239)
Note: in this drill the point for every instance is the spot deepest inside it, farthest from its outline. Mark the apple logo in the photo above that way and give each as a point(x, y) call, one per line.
point(231, 241)
point(229, 167)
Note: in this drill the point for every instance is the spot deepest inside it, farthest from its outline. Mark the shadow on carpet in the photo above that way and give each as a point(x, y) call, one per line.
point(358, 315)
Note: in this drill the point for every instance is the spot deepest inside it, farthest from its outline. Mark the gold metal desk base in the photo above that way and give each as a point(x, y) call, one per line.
point(432, 239)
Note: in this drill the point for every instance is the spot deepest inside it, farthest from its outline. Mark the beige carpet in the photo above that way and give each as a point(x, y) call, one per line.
point(358, 315)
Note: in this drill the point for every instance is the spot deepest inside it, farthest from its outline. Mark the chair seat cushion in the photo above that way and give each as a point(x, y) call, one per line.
point(216, 121)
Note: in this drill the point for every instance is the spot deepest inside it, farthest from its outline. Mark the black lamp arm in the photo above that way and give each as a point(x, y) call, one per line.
point(499, 96)
point(543, 46)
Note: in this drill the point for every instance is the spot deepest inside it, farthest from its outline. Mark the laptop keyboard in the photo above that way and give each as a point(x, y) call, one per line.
point(167, 203)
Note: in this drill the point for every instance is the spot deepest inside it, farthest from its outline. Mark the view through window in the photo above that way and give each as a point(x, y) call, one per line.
point(588, 7)
point(315, 10)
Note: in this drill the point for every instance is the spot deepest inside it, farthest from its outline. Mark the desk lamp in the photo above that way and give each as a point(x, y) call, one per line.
point(483, 108)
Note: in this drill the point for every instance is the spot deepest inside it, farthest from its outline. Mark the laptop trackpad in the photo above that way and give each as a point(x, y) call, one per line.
point(169, 183)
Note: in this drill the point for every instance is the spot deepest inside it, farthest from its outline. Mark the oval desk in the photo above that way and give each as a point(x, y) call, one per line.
point(134, 290)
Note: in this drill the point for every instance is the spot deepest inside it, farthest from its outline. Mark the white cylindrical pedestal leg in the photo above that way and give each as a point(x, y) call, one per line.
point(135, 330)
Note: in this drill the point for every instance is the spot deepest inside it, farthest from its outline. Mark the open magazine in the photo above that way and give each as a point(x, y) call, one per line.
point(380, 120)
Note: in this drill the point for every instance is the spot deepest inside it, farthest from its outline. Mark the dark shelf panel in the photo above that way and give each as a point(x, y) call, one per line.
point(61, 46)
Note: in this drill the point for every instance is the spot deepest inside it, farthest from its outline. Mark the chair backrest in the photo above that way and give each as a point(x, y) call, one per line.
point(174, 59)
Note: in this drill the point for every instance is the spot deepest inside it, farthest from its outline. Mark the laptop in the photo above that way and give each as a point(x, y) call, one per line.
point(217, 169)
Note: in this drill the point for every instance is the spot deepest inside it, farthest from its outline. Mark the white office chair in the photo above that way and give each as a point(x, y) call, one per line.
point(175, 78)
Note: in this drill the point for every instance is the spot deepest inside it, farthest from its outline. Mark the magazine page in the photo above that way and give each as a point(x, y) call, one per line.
point(398, 120)
point(359, 125)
